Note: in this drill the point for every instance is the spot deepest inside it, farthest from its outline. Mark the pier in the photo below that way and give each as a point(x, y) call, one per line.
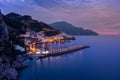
point(56, 52)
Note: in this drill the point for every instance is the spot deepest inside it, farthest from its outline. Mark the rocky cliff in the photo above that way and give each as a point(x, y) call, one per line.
point(3, 32)
point(9, 56)
point(11, 27)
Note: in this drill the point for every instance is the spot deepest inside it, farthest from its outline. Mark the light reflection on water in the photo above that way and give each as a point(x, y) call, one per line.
point(38, 68)
point(99, 62)
point(56, 45)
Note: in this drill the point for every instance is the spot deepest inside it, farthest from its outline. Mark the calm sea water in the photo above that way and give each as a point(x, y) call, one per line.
point(99, 62)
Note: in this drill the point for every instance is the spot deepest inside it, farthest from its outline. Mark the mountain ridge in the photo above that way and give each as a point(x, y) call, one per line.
point(71, 29)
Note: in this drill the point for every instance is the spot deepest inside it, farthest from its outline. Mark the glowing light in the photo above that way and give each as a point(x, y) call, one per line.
point(30, 52)
point(32, 49)
point(51, 39)
point(45, 52)
point(38, 52)
point(33, 43)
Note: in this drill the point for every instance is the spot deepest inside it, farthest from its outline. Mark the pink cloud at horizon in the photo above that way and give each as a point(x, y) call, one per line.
point(109, 33)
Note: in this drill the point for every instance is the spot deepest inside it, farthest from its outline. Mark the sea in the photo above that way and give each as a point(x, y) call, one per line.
point(99, 62)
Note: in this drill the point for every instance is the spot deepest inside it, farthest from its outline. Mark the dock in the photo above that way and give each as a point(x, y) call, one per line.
point(61, 51)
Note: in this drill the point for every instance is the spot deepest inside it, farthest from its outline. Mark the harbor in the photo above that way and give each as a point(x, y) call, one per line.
point(54, 46)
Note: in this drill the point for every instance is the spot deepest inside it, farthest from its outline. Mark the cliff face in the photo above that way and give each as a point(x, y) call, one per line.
point(3, 33)
point(7, 54)
point(3, 30)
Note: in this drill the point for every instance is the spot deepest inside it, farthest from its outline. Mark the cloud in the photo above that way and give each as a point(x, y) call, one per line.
point(11, 1)
point(99, 15)
point(60, 4)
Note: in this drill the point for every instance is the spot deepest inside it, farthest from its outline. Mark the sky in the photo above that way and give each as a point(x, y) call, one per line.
point(102, 16)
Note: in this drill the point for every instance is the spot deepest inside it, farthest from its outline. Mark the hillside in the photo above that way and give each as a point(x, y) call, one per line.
point(12, 57)
point(71, 29)
point(20, 23)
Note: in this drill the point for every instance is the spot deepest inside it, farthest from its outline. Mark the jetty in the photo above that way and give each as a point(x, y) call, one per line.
point(57, 52)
